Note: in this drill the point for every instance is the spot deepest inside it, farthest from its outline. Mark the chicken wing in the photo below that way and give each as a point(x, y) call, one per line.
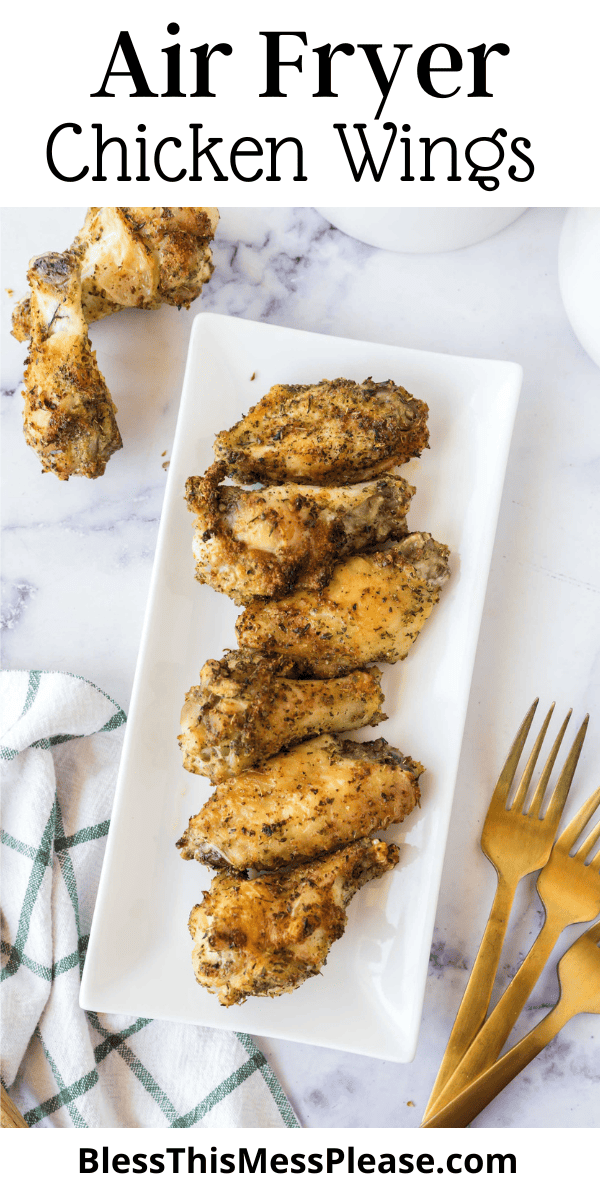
point(266, 542)
point(333, 432)
point(137, 258)
point(266, 936)
point(371, 611)
point(69, 417)
point(303, 803)
point(249, 706)
point(178, 239)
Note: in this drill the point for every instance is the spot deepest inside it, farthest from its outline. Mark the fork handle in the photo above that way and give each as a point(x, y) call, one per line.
point(475, 1002)
point(10, 1117)
point(463, 1108)
point(489, 1041)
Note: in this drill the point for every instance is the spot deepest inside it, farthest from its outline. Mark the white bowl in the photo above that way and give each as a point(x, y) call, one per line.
point(579, 275)
point(421, 230)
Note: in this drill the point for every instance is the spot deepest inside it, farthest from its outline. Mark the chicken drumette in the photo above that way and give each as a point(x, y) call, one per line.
point(302, 804)
point(69, 417)
point(137, 258)
point(332, 432)
point(371, 611)
point(266, 542)
point(249, 706)
point(266, 936)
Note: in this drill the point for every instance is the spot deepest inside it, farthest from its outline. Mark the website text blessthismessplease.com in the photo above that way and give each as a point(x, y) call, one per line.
point(186, 1160)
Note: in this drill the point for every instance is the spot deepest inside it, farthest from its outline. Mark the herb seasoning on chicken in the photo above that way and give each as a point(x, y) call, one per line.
point(137, 258)
point(303, 803)
point(266, 936)
point(293, 801)
point(266, 542)
point(121, 258)
point(248, 706)
point(332, 432)
point(69, 416)
point(372, 610)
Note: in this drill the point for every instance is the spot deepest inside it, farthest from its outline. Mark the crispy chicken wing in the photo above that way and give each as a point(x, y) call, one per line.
point(266, 936)
point(333, 432)
point(249, 706)
point(178, 239)
point(303, 803)
point(69, 417)
point(137, 258)
point(266, 542)
point(371, 611)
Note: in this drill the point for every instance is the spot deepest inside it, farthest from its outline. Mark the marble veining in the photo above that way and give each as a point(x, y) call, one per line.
point(77, 560)
point(443, 956)
point(15, 603)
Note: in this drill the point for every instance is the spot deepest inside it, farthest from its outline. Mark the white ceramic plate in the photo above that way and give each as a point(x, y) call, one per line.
point(370, 994)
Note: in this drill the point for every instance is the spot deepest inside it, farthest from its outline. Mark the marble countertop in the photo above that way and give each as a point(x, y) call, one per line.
point(78, 553)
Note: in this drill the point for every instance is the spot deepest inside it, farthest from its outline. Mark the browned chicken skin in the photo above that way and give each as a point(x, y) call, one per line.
point(333, 432)
point(265, 542)
point(248, 706)
point(372, 610)
point(266, 936)
point(121, 258)
point(302, 804)
point(137, 258)
point(321, 607)
point(69, 417)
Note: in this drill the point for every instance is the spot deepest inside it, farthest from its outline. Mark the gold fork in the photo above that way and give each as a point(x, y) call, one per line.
point(516, 844)
point(10, 1117)
point(570, 891)
point(579, 976)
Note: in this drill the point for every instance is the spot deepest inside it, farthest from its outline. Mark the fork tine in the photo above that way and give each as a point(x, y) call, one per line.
point(507, 773)
point(521, 796)
point(589, 843)
point(540, 791)
point(567, 839)
point(561, 792)
point(586, 846)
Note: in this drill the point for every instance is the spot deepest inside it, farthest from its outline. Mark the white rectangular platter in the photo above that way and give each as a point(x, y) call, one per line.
point(369, 996)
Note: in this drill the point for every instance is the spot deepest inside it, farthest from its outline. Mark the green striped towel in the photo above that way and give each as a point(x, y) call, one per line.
point(60, 743)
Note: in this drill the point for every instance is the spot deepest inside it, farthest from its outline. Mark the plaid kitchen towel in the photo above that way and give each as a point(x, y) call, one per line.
point(60, 742)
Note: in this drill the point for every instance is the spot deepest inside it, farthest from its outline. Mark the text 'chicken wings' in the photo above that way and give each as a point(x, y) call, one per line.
point(372, 610)
point(266, 542)
point(303, 803)
point(69, 416)
point(266, 936)
point(333, 432)
point(249, 706)
point(137, 258)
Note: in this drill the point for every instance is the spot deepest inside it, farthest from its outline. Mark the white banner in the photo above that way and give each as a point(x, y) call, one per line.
point(379, 104)
point(362, 1162)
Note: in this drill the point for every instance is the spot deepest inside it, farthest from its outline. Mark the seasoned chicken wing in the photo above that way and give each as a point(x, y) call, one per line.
point(303, 803)
point(178, 239)
point(268, 541)
point(372, 610)
point(332, 432)
point(249, 706)
point(69, 417)
point(137, 258)
point(266, 936)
